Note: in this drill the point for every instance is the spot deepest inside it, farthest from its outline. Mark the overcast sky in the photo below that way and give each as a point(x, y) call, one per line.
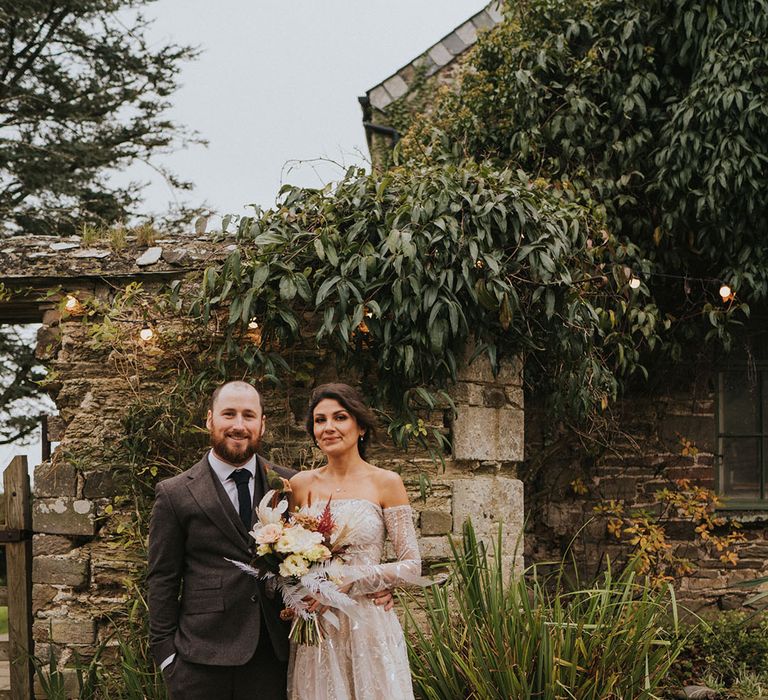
point(278, 82)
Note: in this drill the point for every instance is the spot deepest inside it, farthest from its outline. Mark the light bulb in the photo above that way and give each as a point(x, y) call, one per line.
point(726, 292)
point(72, 303)
point(634, 282)
point(146, 333)
point(253, 325)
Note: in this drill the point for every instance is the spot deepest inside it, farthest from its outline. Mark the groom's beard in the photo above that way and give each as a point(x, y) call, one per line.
point(235, 453)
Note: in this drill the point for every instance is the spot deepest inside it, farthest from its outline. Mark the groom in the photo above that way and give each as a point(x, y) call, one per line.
point(214, 631)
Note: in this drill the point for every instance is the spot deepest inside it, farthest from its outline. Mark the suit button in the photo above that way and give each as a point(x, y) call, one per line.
point(254, 598)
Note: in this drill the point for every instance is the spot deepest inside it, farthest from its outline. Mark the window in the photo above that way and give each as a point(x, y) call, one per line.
point(742, 427)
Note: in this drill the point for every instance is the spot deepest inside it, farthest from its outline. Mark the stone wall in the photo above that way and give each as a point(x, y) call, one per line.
point(649, 454)
point(82, 568)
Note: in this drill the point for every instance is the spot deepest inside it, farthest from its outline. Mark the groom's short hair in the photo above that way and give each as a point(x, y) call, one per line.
point(240, 382)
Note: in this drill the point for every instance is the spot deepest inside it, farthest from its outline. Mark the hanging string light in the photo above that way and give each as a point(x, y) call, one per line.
point(726, 293)
point(254, 331)
point(73, 306)
point(634, 282)
point(146, 333)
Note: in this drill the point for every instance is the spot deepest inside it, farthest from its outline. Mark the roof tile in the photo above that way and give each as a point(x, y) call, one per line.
point(467, 33)
point(396, 86)
point(379, 97)
point(454, 44)
point(440, 55)
point(482, 20)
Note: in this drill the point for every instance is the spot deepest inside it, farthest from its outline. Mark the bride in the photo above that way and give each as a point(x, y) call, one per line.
point(364, 659)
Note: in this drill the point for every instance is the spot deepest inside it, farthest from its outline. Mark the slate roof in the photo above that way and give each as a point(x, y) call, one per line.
point(435, 57)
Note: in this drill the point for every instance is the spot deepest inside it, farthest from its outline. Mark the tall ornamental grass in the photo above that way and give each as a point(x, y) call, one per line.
point(484, 635)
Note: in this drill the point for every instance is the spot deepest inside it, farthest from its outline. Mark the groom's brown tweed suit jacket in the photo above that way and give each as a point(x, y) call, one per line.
point(201, 606)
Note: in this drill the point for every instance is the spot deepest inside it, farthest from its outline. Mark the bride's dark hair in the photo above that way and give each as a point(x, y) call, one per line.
point(352, 401)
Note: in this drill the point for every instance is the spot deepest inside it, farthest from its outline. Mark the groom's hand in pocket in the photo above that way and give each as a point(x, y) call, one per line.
point(384, 598)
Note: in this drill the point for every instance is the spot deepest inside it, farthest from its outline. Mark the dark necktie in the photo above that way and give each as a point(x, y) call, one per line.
point(241, 477)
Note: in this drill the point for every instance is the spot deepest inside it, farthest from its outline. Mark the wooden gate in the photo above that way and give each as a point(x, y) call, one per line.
point(16, 537)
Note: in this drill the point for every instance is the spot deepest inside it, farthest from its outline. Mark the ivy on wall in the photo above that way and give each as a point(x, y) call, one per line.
point(654, 113)
point(393, 276)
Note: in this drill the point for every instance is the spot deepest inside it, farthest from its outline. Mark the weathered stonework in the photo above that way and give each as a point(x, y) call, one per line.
point(81, 567)
point(647, 458)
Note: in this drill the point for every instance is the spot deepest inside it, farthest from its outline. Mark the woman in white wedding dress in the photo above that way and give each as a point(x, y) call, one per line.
point(365, 658)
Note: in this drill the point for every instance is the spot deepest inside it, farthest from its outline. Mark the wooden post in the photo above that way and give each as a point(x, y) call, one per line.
point(18, 515)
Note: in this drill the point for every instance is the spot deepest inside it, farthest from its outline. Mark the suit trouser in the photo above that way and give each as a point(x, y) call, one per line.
point(261, 678)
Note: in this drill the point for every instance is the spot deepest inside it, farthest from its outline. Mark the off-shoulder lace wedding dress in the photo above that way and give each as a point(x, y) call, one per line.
point(366, 658)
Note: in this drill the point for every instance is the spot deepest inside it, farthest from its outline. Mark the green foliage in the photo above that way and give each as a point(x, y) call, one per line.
point(82, 92)
point(654, 112)
point(488, 638)
point(730, 646)
point(22, 402)
point(395, 276)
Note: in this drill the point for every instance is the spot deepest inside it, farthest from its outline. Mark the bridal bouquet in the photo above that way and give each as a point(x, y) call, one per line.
point(303, 553)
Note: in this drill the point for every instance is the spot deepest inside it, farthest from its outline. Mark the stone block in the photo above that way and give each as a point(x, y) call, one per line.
point(481, 433)
point(71, 685)
point(47, 343)
point(41, 631)
point(434, 549)
point(56, 428)
point(60, 571)
point(479, 370)
point(73, 630)
point(467, 394)
point(63, 516)
point(494, 396)
point(435, 522)
point(490, 502)
point(42, 595)
point(50, 544)
point(53, 480)
point(100, 484)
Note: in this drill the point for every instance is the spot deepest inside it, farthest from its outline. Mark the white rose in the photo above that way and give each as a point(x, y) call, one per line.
point(294, 565)
point(297, 540)
point(318, 553)
point(267, 534)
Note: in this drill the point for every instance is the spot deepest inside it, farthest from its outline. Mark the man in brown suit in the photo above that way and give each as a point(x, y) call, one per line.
point(214, 631)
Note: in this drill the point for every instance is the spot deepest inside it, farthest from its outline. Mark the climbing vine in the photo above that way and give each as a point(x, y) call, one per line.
point(397, 277)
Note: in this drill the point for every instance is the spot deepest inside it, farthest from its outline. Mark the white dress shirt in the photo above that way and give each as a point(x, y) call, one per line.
point(223, 471)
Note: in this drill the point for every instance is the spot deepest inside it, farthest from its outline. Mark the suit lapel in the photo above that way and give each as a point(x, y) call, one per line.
point(203, 488)
point(260, 486)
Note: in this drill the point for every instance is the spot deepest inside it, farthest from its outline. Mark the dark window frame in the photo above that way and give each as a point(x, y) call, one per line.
point(758, 365)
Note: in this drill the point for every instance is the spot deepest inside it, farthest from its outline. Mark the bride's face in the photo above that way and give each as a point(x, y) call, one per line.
point(336, 430)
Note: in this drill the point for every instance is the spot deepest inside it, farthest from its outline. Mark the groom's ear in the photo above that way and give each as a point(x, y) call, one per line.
point(263, 425)
point(208, 418)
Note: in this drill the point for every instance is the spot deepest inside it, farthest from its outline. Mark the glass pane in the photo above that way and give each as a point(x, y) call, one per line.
point(740, 402)
point(740, 468)
point(764, 385)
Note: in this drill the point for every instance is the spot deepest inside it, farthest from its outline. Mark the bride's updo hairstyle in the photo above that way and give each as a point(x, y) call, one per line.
point(351, 400)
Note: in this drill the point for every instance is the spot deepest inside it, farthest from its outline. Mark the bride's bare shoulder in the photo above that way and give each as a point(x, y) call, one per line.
point(301, 482)
point(390, 486)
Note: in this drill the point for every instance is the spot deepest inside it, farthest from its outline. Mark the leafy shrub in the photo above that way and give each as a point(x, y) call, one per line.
point(729, 645)
point(488, 638)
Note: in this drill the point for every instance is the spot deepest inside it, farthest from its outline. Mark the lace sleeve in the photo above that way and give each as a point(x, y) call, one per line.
point(398, 521)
